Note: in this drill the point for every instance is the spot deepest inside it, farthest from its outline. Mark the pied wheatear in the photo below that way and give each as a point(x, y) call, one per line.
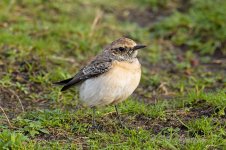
point(110, 78)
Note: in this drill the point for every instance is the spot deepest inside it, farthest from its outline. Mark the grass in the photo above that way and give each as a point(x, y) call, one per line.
point(179, 104)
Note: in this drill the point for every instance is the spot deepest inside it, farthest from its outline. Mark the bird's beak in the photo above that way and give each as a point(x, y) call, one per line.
point(139, 46)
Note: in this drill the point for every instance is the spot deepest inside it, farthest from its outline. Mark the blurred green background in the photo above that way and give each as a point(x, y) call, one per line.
point(179, 104)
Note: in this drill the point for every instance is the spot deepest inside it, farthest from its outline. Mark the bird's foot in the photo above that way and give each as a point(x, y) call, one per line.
point(94, 127)
point(122, 125)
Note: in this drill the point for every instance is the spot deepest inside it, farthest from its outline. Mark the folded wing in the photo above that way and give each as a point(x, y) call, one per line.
point(97, 67)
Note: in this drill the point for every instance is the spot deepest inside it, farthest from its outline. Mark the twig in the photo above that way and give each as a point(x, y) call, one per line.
point(18, 98)
point(182, 122)
point(12, 2)
point(163, 87)
point(10, 125)
point(95, 21)
point(71, 60)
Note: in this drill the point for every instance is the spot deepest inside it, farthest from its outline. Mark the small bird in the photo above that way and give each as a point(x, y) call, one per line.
point(110, 78)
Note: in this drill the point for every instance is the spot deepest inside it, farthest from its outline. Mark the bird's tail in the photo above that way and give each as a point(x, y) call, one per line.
point(63, 82)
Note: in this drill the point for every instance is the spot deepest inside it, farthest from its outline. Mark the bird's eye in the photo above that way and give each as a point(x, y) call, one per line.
point(121, 48)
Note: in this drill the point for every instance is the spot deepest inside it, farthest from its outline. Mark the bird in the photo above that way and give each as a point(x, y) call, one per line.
point(110, 78)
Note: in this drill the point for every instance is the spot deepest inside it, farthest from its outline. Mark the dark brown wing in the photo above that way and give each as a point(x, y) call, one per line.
point(97, 67)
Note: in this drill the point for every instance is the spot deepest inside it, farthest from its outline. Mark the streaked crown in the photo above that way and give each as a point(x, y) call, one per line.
point(124, 48)
point(123, 42)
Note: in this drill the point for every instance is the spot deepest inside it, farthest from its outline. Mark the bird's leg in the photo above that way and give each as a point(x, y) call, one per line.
point(93, 118)
point(94, 125)
point(118, 116)
point(76, 108)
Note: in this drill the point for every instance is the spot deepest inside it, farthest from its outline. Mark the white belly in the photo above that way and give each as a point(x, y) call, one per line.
point(113, 86)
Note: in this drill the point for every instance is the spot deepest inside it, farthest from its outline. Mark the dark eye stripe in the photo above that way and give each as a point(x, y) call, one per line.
point(121, 48)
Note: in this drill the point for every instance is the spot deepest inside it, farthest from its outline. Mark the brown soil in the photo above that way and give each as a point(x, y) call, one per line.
point(148, 16)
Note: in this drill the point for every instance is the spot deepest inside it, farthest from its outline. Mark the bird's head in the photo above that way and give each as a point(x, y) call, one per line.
point(124, 48)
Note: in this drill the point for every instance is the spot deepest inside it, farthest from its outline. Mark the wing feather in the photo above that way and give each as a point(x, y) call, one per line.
point(97, 67)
